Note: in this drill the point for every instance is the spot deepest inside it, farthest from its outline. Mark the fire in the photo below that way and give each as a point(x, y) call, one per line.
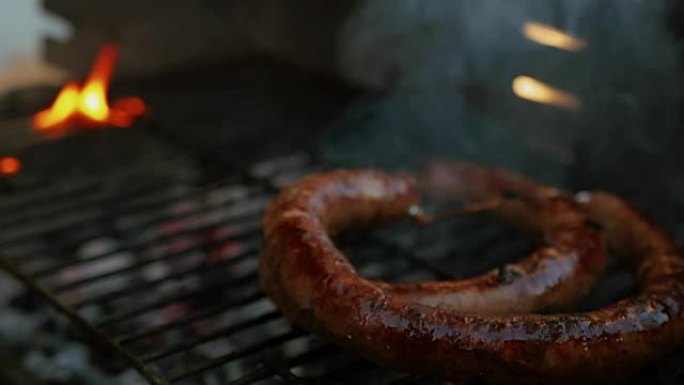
point(9, 165)
point(88, 105)
point(528, 88)
point(552, 37)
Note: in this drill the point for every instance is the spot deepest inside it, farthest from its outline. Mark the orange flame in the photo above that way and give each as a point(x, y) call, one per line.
point(552, 37)
point(531, 89)
point(88, 105)
point(9, 165)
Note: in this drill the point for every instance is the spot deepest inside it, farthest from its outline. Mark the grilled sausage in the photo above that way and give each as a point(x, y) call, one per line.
point(313, 283)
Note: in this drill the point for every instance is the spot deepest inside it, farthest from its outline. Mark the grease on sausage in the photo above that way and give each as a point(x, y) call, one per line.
point(314, 285)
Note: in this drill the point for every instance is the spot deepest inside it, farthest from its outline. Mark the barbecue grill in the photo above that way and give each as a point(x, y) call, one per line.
point(161, 271)
point(136, 249)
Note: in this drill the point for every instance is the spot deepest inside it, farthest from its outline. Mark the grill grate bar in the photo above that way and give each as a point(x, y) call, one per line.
point(190, 318)
point(287, 375)
point(248, 247)
point(139, 287)
point(155, 199)
point(52, 210)
point(239, 209)
point(139, 310)
point(269, 343)
point(99, 339)
point(188, 190)
point(262, 370)
point(158, 217)
point(224, 332)
point(97, 212)
point(326, 350)
point(244, 229)
point(61, 223)
point(411, 257)
point(156, 204)
point(101, 196)
point(32, 199)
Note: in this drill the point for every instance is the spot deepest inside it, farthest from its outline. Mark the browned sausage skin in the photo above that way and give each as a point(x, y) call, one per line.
point(314, 285)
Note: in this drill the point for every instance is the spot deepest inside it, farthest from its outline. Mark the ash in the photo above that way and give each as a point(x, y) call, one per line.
point(43, 345)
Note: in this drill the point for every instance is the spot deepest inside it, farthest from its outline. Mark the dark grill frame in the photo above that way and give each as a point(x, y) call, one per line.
point(416, 254)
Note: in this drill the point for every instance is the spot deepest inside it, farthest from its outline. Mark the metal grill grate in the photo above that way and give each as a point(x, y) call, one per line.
point(163, 271)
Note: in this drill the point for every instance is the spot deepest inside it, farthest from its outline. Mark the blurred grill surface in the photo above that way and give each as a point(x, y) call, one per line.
point(162, 271)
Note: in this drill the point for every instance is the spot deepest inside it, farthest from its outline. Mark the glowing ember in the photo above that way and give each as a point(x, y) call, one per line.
point(552, 37)
point(88, 106)
point(9, 165)
point(531, 89)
